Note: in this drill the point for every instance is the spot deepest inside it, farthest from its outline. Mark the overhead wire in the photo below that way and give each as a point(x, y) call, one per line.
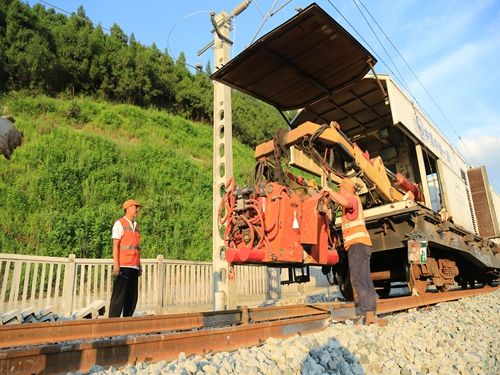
point(474, 160)
point(383, 47)
point(281, 7)
point(266, 17)
point(234, 36)
point(364, 40)
point(122, 35)
point(258, 8)
point(271, 12)
point(177, 24)
point(402, 81)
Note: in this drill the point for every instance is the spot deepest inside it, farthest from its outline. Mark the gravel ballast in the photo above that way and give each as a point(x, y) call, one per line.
point(460, 337)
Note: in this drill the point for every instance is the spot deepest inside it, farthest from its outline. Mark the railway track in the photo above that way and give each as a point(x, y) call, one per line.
point(60, 347)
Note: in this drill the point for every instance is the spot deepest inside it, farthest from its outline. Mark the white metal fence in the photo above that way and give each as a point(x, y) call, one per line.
point(68, 284)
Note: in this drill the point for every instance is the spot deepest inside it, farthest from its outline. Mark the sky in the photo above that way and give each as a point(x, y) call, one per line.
point(453, 46)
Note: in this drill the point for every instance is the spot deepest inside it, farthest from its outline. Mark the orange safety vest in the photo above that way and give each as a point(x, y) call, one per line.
point(354, 231)
point(130, 245)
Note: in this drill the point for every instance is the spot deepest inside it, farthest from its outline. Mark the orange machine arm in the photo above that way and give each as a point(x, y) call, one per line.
point(372, 169)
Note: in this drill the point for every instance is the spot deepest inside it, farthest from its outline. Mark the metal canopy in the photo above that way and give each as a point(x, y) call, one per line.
point(300, 62)
point(360, 109)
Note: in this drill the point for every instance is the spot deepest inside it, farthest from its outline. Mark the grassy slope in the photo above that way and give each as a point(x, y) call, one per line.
point(62, 190)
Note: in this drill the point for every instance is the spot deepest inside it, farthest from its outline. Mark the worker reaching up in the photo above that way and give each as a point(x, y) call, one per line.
point(358, 245)
point(126, 261)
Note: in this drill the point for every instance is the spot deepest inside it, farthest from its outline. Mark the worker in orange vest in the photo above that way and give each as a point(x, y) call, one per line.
point(358, 245)
point(126, 261)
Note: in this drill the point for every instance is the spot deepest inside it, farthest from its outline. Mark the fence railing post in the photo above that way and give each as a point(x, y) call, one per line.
point(161, 283)
point(14, 286)
point(69, 285)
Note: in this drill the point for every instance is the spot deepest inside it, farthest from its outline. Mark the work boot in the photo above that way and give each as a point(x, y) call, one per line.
point(371, 318)
point(358, 311)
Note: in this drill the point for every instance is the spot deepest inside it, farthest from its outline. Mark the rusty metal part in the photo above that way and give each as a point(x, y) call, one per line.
point(381, 275)
point(266, 314)
point(393, 274)
point(346, 311)
point(404, 303)
point(47, 333)
point(444, 274)
point(441, 271)
point(55, 359)
point(417, 281)
point(130, 347)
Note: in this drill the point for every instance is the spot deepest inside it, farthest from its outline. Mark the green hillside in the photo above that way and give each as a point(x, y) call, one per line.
point(62, 190)
point(45, 52)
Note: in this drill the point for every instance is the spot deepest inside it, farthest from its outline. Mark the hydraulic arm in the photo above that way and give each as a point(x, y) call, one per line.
point(306, 138)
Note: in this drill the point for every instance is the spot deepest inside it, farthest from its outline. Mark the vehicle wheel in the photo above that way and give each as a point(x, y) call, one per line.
point(444, 288)
point(384, 290)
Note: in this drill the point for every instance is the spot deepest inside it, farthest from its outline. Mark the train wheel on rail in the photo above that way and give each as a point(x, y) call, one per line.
point(444, 287)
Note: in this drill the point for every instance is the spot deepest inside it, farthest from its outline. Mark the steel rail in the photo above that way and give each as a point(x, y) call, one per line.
point(52, 332)
point(389, 305)
point(395, 304)
point(248, 327)
point(81, 356)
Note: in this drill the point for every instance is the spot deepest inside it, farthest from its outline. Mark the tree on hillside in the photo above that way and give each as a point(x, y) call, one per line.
point(160, 68)
point(74, 51)
point(3, 43)
point(128, 84)
point(115, 43)
point(97, 70)
point(52, 53)
point(28, 58)
point(208, 69)
point(254, 121)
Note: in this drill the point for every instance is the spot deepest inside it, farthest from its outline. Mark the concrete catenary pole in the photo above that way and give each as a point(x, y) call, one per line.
point(224, 283)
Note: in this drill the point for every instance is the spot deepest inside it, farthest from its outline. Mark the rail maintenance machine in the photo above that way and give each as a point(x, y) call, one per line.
point(283, 220)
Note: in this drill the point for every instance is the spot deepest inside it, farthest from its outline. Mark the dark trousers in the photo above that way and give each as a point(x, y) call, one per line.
point(359, 266)
point(124, 297)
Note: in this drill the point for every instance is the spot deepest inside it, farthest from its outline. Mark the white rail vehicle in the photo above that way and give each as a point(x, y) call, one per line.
point(393, 127)
point(379, 116)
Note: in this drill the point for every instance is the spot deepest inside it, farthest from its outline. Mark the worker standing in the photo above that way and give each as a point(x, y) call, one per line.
point(126, 261)
point(358, 245)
